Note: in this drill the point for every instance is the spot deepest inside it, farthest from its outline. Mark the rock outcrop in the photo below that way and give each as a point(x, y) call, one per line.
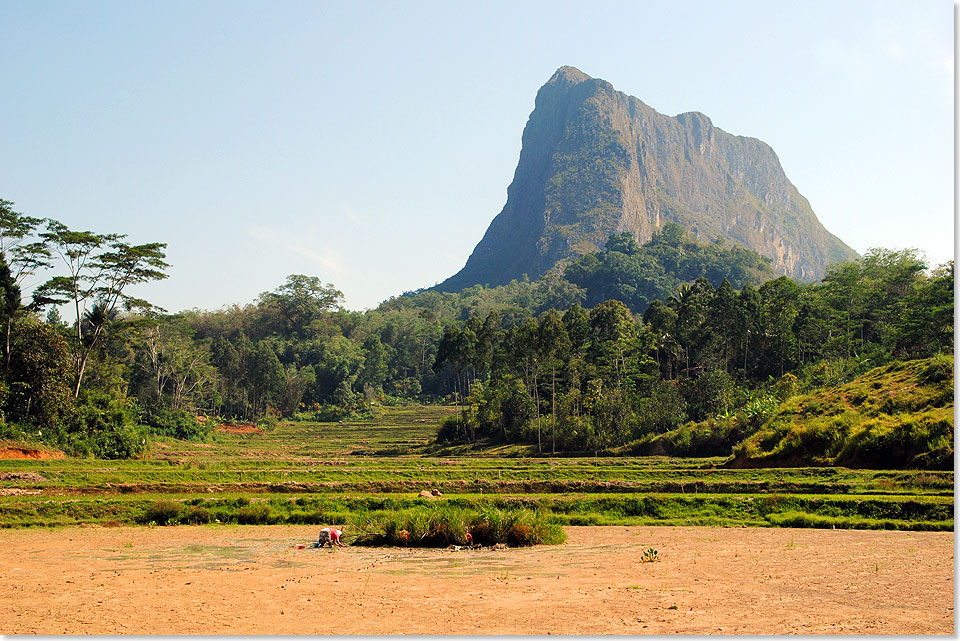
point(595, 161)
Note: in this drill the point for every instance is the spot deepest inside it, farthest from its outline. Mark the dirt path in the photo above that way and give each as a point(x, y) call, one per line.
point(251, 580)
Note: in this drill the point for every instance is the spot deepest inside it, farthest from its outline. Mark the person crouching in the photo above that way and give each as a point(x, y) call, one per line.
point(331, 536)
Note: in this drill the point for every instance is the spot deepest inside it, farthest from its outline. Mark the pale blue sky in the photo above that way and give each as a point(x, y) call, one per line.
point(371, 143)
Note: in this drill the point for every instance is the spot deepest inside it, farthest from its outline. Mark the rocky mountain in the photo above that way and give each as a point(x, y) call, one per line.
point(595, 161)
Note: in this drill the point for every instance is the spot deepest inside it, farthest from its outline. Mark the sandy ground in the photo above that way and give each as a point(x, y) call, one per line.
point(252, 580)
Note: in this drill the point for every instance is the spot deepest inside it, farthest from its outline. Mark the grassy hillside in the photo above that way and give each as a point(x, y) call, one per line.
point(896, 416)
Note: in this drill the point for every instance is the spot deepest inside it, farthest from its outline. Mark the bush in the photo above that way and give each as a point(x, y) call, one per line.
point(713, 437)
point(38, 375)
point(709, 394)
point(196, 515)
point(256, 514)
point(166, 421)
point(908, 440)
point(664, 410)
point(806, 520)
point(163, 512)
point(452, 429)
point(103, 425)
point(301, 517)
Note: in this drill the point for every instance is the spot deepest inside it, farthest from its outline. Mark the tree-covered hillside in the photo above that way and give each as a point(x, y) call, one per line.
point(638, 275)
point(543, 362)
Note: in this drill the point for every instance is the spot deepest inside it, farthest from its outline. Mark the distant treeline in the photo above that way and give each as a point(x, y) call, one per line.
point(558, 361)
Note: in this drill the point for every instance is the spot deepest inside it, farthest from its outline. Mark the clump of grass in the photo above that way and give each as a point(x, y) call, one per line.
point(937, 369)
point(897, 416)
point(439, 526)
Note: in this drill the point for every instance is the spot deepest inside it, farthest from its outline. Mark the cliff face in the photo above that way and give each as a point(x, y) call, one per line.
point(595, 161)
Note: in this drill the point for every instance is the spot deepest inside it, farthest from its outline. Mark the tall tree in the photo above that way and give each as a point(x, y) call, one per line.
point(301, 300)
point(577, 323)
point(613, 346)
point(749, 303)
point(722, 316)
point(16, 229)
point(101, 269)
point(489, 340)
point(375, 359)
point(779, 308)
point(179, 367)
point(554, 346)
point(522, 346)
point(661, 321)
point(20, 259)
point(267, 378)
point(38, 378)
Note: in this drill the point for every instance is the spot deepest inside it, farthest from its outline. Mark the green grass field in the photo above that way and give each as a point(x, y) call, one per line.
point(327, 472)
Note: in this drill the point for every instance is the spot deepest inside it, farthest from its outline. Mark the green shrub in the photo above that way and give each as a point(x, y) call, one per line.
point(103, 425)
point(709, 394)
point(805, 520)
point(306, 518)
point(713, 437)
point(196, 515)
point(162, 512)
point(256, 514)
point(892, 417)
point(176, 423)
point(453, 429)
point(914, 440)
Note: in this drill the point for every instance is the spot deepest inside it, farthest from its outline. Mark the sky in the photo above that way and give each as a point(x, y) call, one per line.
point(370, 144)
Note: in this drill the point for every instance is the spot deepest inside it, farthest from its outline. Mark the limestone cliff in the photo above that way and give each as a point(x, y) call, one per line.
point(595, 161)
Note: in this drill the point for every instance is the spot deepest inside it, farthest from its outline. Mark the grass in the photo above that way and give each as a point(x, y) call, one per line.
point(443, 525)
point(559, 509)
point(897, 415)
point(253, 473)
point(329, 473)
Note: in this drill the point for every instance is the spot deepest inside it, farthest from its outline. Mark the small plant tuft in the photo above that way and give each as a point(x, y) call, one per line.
point(650, 556)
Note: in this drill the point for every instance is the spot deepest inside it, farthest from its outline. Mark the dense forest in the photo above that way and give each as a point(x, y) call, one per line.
point(617, 350)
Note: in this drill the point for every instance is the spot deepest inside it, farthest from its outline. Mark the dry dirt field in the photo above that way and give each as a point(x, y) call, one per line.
point(253, 580)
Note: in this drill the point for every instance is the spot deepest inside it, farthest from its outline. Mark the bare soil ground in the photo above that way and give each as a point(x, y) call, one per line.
point(253, 580)
point(13, 452)
point(239, 429)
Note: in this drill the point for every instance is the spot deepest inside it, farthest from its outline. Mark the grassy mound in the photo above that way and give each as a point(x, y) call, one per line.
point(896, 416)
point(442, 525)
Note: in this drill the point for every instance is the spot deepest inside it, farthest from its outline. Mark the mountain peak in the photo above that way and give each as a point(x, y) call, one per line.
point(568, 75)
point(595, 162)
point(691, 117)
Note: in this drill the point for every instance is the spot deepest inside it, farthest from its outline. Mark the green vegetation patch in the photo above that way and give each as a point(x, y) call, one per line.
point(442, 525)
point(372, 514)
point(898, 415)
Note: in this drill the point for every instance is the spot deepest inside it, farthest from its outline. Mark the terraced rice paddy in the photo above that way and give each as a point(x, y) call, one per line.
point(323, 472)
